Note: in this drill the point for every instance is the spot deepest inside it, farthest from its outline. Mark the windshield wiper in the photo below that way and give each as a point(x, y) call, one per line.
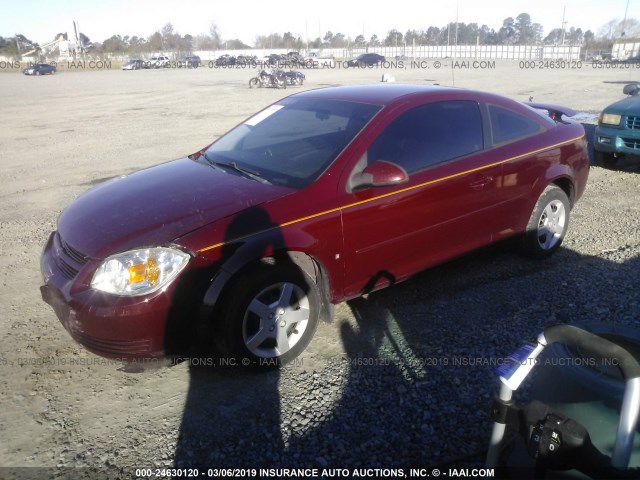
point(234, 166)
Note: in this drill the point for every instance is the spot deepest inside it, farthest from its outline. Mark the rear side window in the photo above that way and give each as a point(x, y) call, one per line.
point(430, 134)
point(507, 125)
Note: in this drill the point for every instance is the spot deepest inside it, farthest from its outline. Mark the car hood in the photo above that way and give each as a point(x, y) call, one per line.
point(626, 106)
point(155, 206)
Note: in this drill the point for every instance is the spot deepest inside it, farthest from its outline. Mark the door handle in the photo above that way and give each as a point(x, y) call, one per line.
point(480, 181)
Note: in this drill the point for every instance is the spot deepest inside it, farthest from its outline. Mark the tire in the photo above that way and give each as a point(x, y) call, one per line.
point(37, 73)
point(604, 159)
point(548, 223)
point(270, 316)
point(254, 82)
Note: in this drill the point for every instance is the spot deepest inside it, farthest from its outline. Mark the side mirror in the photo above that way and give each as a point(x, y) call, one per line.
point(631, 89)
point(380, 173)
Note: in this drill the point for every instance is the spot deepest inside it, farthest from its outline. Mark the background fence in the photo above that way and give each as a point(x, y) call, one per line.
point(495, 52)
point(626, 50)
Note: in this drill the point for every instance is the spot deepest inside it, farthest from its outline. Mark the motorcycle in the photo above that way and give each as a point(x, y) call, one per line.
point(274, 79)
point(294, 77)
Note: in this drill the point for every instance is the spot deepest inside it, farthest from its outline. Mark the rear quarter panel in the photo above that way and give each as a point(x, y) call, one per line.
point(558, 155)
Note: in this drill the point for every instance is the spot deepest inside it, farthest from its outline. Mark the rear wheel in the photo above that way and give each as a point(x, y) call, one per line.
point(548, 223)
point(270, 316)
point(605, 160)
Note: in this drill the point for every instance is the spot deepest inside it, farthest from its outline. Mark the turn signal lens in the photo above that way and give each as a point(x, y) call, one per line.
point(139, 272)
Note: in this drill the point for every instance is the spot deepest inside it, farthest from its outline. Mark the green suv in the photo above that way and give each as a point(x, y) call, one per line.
point(618, 131)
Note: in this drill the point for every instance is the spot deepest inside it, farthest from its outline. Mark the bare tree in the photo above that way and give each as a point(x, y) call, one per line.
point(616, 28)
point(507, 35)
point(575, 36)
point(203, 42)
point(394, 38)
point(554, 37)
point(328, 38)
point(214, 34)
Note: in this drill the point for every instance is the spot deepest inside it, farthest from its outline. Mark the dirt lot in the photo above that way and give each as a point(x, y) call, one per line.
point(63, 407)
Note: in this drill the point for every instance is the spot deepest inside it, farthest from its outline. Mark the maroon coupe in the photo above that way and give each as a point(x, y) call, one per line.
point(319, 198)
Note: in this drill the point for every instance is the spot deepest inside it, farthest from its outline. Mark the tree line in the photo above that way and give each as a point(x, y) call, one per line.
point(520, 30)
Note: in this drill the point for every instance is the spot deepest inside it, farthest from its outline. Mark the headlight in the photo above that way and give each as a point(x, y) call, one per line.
point(139, 272)
point(610, 118)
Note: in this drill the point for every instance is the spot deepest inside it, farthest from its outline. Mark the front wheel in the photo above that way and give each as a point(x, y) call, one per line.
point(270, 316)
point(254, 82)
point(548, 223)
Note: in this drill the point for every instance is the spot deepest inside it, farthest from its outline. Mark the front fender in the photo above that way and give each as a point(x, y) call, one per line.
point(240, 255)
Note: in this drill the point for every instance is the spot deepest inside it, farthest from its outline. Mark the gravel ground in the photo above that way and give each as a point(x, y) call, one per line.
point(393, 381)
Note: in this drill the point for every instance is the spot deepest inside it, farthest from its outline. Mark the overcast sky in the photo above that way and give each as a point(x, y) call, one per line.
point(40, 20)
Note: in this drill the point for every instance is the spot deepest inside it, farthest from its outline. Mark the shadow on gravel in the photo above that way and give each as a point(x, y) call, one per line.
point(418, 368)
point(228, 409)
point(421, 357)
point(231, 419)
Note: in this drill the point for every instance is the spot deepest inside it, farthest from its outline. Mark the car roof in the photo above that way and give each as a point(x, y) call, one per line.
point(378, 94)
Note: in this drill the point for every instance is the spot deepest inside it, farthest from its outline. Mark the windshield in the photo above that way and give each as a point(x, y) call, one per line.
point(293, 142)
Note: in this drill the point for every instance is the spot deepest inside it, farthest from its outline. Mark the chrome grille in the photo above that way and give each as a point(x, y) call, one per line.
point(633, 123)
point(631, 143)
point(72, 252)
point(65, 268)
point(68, 259)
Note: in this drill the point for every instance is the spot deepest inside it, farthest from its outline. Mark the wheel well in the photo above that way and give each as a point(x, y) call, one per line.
point(566, 185)
point(310, 265)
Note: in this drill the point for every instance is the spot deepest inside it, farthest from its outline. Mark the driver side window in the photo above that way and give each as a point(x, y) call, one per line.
point(430, 134)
